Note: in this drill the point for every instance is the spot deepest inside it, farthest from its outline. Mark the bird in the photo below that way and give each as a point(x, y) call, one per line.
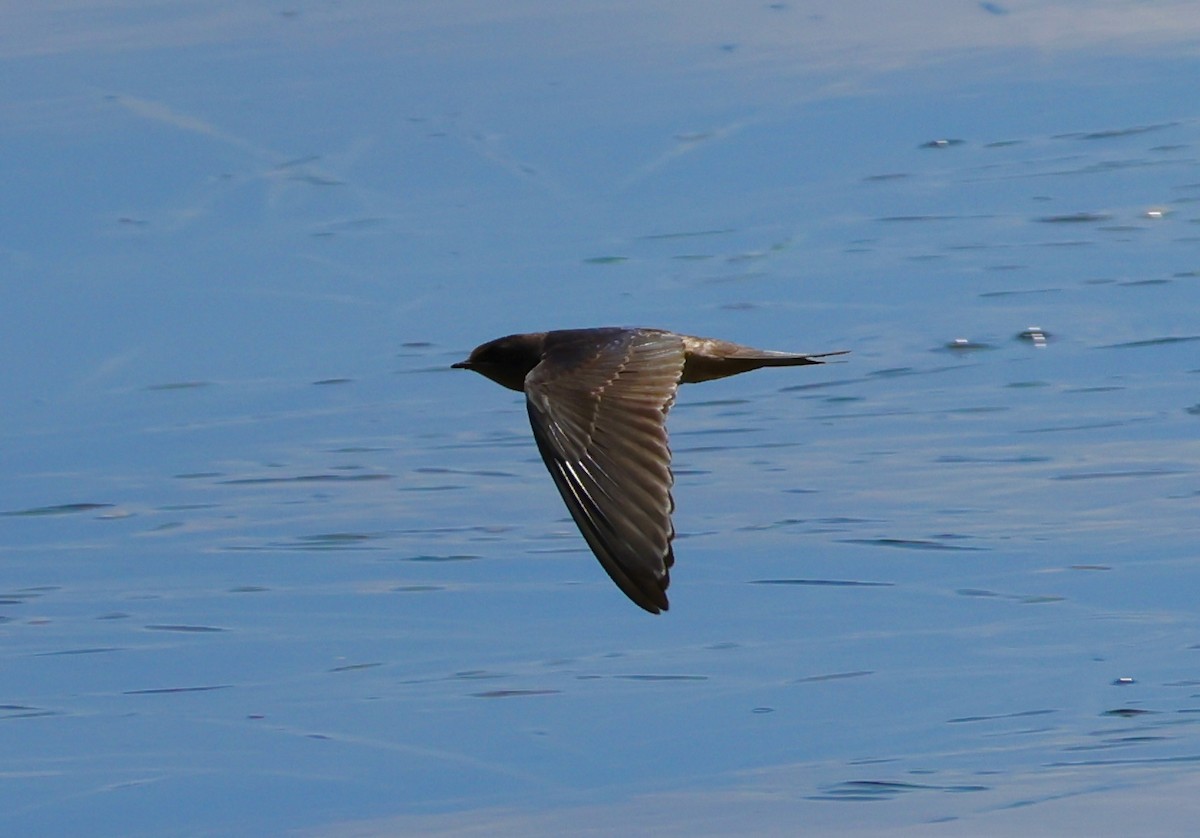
point(597, 401)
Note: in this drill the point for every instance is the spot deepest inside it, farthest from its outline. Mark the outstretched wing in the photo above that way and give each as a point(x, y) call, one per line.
point(599, 418)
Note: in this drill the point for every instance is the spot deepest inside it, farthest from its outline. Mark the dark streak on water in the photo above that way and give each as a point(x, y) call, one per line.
point(178, 690)
point(833, 583)
point(858, 791)
point(1162, 341)
point(513, 693)
point(910, 544)
point(305, 478)
point(834, 676)
point(60, 509)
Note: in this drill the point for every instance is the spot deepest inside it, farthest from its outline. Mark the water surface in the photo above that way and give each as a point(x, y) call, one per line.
point(269, 566)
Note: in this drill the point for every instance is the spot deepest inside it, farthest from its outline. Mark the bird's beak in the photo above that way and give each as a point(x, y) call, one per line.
point(461, 365)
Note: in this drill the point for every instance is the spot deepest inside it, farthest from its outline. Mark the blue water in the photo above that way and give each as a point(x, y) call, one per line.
point(268, 566)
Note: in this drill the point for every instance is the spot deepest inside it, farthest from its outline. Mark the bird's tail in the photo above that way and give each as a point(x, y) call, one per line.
point(788, 359)
point(735, 359)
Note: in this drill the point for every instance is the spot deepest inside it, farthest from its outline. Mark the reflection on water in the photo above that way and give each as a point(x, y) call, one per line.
point(269, 565)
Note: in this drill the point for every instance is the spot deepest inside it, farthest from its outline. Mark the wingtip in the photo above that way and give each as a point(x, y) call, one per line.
point(653, 606)
point(650, 598)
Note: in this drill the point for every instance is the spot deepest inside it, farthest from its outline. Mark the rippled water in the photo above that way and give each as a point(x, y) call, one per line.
point(270, 566)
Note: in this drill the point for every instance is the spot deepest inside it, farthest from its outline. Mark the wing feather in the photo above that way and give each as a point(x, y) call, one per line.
point(599, 418)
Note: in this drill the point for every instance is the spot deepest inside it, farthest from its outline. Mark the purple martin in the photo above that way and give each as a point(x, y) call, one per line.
point(598, 402)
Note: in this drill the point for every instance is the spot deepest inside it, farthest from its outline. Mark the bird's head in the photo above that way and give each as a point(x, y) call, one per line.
point(506, 360)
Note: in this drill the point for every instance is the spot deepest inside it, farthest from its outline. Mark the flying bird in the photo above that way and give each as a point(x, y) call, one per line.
point(598, 402)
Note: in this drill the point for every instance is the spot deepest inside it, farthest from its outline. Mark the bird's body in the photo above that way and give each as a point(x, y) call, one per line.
point(598, 401)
